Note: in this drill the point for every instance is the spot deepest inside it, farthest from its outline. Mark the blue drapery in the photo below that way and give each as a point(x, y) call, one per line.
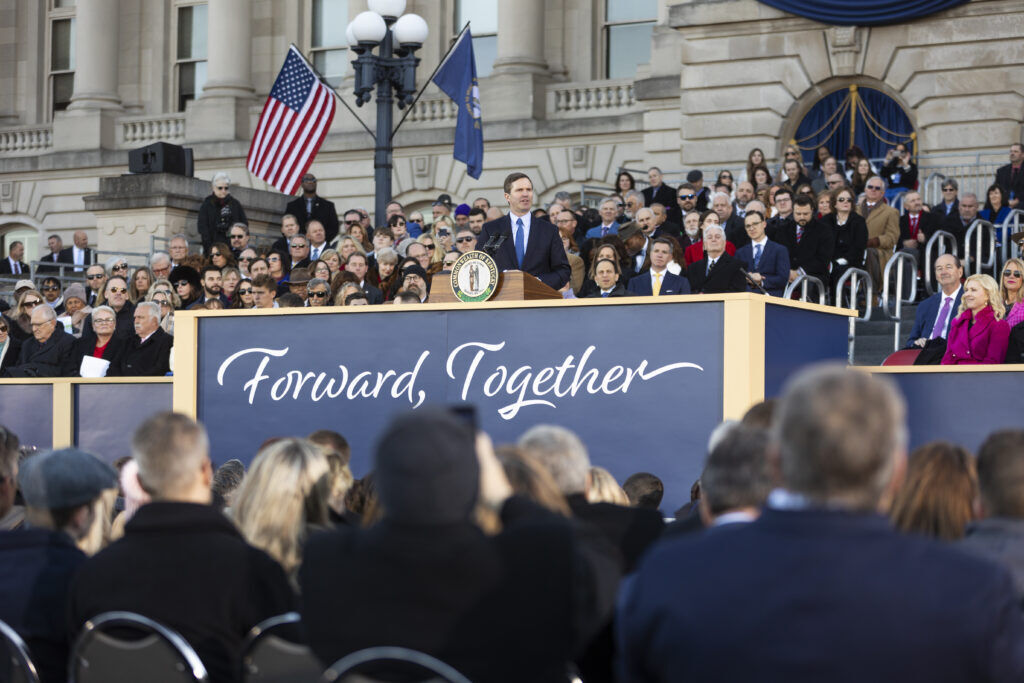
point(862, 12)
point(880, 124)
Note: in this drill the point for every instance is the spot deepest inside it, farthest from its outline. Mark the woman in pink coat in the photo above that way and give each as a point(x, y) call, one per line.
point(978, 334)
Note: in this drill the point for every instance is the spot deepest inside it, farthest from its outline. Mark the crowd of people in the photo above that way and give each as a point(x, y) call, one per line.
point(757, 232)
point(813, 548)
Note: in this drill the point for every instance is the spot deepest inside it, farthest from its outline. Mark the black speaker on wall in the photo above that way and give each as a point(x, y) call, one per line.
point(161, 157)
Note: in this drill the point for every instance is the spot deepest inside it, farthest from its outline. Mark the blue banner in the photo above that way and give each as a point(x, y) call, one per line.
point(862, 12)
point(457, 79)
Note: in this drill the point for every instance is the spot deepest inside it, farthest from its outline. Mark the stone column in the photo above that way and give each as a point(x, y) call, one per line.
point(520, 37)
point(222, 113)
point(229, 49)
point(96, 46)
point(515, 89)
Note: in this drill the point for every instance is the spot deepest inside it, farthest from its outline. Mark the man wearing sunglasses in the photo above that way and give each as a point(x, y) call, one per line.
point(95, 278)
point(950, 204)
point(883, 226)
point(686, 202)
point(465, 240)
point(51, 291)
point(310, 206)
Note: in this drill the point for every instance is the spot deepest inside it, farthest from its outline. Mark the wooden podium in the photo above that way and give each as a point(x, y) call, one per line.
point(513, 285)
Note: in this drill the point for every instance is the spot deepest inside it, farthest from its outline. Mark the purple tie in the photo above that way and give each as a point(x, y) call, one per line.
point(940, 322)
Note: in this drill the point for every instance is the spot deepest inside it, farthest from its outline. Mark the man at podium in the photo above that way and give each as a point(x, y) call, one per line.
point(518, 241)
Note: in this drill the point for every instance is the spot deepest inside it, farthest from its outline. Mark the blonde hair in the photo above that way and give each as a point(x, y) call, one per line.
point(604, 488)
point(1003, 294)
point(285, 490)
point(995, 299)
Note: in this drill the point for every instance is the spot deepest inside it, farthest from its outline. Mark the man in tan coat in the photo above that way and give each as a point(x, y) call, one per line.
point(883, 228)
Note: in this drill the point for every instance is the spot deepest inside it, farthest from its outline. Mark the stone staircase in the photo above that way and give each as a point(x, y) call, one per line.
point(874, 338)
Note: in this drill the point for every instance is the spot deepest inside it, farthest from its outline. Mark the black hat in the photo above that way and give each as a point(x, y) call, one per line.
point(185, 273)
point(63, 479)
point(426, 468)
point(628, 230)
point(417, 269)
point(443, 200)
point(694, 176)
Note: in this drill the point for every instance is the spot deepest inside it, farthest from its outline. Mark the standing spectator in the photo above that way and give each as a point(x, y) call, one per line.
point(624, 182)
point(1011, 176)
point(50, 352)
point(55, 244)
point(13, 265)
point(310, 206)
point(998, 534)
point(427, 578)
point(10, 348)
point(609, 226)
point(937, 499)
point(148, 352)
point(154, 568)
point(218, 212)
point(79, 253)
point(979, 334)
point(899, 171)
point(177, 247)
point(840, 438)
point(37, 563)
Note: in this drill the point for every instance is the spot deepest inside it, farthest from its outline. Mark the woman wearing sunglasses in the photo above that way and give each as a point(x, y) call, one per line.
point(243, 295)
point(9, 346)
point(850, 232)
point(1010, 285)
point(218, 212)
point(20, 320)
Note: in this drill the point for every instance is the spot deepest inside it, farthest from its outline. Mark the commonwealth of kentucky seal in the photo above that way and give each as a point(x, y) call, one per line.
point(474, 277)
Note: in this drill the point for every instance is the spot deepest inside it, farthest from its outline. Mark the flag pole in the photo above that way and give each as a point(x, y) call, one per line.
point(430, 80)
point(333, 91)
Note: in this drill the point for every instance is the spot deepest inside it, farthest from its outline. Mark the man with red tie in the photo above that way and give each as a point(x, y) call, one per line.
point(917, 226)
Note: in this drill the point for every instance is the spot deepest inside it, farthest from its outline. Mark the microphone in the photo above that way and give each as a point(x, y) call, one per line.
point(755, 284)
point(496, 241)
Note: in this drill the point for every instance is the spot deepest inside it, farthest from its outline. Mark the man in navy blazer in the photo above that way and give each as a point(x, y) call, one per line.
point(531, 245)
point(821, 587)
point(643, 284)
point(766, 262)
point(948, 273)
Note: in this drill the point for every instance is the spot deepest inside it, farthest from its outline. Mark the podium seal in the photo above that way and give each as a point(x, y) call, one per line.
point(474, 277)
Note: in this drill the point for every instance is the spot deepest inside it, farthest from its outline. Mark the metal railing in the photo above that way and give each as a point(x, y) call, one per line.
point(858, 279)
point(804, 282)
point(941, 238)
point(973, 257)
point(1009, 226)
point(897, 202)
point(900, 257)
point(597, 193)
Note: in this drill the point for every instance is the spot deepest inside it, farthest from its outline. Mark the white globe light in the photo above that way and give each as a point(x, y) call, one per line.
point(410, 29)
point(350, 36)
point(387, 8)
point(369, 27)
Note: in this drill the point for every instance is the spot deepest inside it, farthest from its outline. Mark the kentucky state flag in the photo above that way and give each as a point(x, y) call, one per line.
point(457, 78)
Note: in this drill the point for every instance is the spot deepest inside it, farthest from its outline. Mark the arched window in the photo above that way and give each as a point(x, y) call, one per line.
point(869, 118)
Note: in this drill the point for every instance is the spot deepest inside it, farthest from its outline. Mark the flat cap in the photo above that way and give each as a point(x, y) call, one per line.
point(630, 229)
point(64, 478)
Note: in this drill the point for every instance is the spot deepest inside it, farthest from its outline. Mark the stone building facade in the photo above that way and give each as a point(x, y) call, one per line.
point(714, 78)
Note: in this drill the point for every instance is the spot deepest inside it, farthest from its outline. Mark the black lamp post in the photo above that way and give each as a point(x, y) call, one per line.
point(392, 70)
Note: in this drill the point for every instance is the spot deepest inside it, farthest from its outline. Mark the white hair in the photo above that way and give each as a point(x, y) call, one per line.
point(608, 200)
point(714, 226)
point(561, 453)
point(720, 194)
point(159, 257)
point(221, 177)
point(151, 306)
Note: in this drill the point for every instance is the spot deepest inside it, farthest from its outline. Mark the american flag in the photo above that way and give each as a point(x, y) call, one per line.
point(293, 124)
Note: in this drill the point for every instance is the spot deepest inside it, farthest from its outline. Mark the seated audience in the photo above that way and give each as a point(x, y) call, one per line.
point(226, 481)
point(604, 488)
point(103, 344)
point(717, 272)
point(38, 562)
point(10, 348)
point(939, 493)
point(658, 280)
point(934, 315)
point(820, 587)
point(148, 352)
point(1010, 288)
point(998, 532)
point(426, 577)
point(736, 479)
point(809, 242)
point(607, 276)
point(766, 262)
point(50, 352)
point(181, 561)
point(12, 516)
point(644, 490)
point(979, 334)
point(528, 478)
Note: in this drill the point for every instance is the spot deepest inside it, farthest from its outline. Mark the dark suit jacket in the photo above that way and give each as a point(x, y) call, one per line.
point(664, 195)
point(850, 241)
point(373, 295)
point(927, 222)
point(640, 285)
point(545, 256)
point(773, 266)
point(735, 231)
point(940, 209)
point(724, 277)
point(1016, 186)
point(813, 252)
point(5, 267)
point(53, 358)
point(801, 596)
point(48, 258)
point(112, 353)
point(67, 255)
point(13, 351)
point(323, 211)
point(146, 359)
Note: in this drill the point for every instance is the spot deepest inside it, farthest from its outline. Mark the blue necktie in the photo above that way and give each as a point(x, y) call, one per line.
point(520, 242)
point(757, 255)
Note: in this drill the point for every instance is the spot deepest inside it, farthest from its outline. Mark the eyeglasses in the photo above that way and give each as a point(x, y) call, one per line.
point(30, 304)
point(214, 254)
point(687, 196)
point(245, 291)
point(429, 246)
point(873, 187)
point(463, 240)
point(835, 182)
point(298, 246)
point(42, 324)
point(181, 283)
point(106, 321)
point(317, 295)
point(120, 266)
point(273, 259)
point(1011, 273)
point(791, 154)
point(118, 290)
point(222, 187)
point(162, 302)
point(356, 222)
point(725, 176)
point(246, 259)
point(843, 199)
point(237, 237)
point(94, 277)
point(51, 289)
point(949, 189)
